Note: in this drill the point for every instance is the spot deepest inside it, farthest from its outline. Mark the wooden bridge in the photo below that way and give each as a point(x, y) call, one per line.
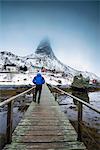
point(45, 127)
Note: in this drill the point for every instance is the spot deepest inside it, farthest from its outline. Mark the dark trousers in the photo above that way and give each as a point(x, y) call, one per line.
point(38, 89)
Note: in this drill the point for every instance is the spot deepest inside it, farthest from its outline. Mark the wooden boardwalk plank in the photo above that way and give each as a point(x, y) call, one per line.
point(43, 127)
point(47, 146)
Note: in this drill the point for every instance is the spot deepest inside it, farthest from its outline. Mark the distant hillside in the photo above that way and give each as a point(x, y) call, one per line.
point(43, 57)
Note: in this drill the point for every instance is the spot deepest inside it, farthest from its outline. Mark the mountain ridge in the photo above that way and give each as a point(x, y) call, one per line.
point(43, 56)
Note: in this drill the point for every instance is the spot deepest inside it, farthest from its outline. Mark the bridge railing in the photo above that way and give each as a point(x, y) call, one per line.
point(9, 102)
point(80, 105)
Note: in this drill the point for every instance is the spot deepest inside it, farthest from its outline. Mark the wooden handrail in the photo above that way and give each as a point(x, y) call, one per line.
point(79, 100)
point(9, 102)
point(14, 97)
point(80, 111)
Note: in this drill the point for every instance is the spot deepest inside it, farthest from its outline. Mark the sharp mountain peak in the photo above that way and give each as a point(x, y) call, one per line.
point(44, 48)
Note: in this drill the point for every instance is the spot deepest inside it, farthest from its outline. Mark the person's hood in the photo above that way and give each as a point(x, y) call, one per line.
point(38, 74)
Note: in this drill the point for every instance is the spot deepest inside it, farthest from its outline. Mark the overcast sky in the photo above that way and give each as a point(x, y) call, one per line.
point(73, 28)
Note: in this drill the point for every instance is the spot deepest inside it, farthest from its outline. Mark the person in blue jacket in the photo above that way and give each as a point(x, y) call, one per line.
point(38, 80)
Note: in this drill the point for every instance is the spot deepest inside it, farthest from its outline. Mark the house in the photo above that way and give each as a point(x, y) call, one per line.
point(0, 66)
point(43, 69)
point(36, 68)
point(94, 81)
point(11, 68)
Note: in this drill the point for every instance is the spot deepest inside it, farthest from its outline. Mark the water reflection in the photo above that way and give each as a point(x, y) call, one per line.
point(19, 107)
point(82, 95)
point(90, 120)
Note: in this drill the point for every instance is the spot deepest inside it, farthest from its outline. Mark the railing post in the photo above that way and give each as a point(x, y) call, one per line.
point(33, 93)
point(79, 138)
point(9, 122)
point(55, 96)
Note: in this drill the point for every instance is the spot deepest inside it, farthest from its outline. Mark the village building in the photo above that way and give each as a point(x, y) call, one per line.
point(0, 66)
point(36, 68)
point(11, 68)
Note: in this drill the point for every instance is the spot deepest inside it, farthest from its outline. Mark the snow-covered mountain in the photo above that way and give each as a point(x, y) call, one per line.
point(10, 58)
point(43, 57)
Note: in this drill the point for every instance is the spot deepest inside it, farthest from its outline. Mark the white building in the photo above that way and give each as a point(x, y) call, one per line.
point(0, 66)
point(11, 68)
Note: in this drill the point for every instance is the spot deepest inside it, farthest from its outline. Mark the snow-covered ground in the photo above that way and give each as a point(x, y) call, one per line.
point(16, 79)
point(26, 79)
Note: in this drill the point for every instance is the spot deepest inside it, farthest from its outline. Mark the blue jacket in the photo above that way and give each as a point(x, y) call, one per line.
point(38, 80)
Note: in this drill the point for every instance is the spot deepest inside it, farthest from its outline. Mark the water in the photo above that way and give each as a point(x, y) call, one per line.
point(19, 108)
point(90, 119)
point(89, 116)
